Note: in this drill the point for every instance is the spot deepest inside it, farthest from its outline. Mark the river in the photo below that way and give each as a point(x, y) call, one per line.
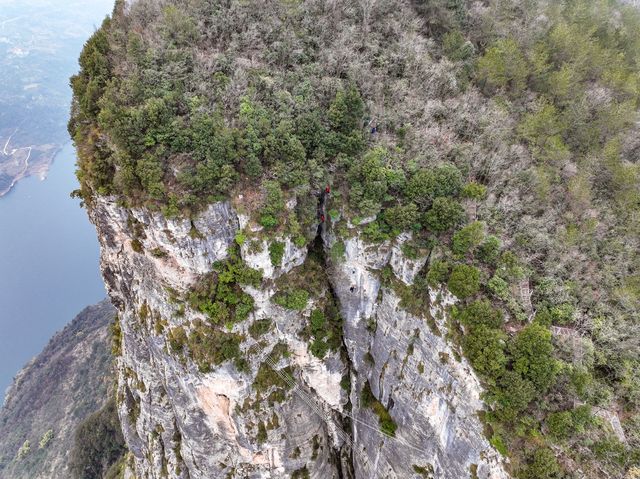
point(48, 263)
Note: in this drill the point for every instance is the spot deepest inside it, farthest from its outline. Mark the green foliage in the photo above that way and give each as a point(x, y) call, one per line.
point(474, 191)
point(387, 424)
point(464, 281)
point(273, 206)
point(497, 442)
point(325, 327)
point(337, 252)
point(46, 439)
point(209, 346)
point(219, 294)
point(438, 273)
point(116, 337)
point(424, 471)
point(428, 184)
point(259, 327)
point(543, 465)
point(402, 217)
point(456, 47)
point(512, 395)
point(565, 424)
point(485, 349)
point(489, 251)
point(532, 352)
point(98, 443)
point(503, 66)
point(295, 299)
point(276, 253)
point(302, 473)
point(560, 424)
point(468, 238)
point(481, 313)
point(444, 215)
point(177, 339)
point(371, 179)
point(24, 450)
point(267, 378)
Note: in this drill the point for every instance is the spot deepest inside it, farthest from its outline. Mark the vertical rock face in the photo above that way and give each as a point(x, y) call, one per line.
point(284, 413)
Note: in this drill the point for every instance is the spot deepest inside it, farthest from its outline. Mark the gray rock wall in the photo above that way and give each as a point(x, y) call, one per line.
point(182, 423)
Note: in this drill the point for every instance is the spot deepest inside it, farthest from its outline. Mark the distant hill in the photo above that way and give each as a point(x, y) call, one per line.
point(53, 394)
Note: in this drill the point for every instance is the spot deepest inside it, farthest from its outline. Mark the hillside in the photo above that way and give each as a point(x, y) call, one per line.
point(53, 394)
point(423, 213)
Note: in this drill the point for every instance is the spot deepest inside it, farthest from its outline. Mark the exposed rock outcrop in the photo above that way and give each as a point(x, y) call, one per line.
point(285, 412)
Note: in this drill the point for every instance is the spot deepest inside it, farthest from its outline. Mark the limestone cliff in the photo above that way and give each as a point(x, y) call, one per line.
point(307, 419)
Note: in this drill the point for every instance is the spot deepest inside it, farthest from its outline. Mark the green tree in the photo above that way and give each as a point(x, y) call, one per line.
point(464, 281)
point(481, 313)
point(444, 215)
point(468, 238)
point(427, 184)
point(542, 465)
point(503, 66)
point(485, 349)
point(512, 396)
point(402, 217)
point(532, 352)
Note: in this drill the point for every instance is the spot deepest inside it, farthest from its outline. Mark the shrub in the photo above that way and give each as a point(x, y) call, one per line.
point(512, 395)
point(532, 352)
point(98, 443)
point(338, 250)
point(542, 465)
point(560, 424)
point(428, 184)
point(177, 339)
point(468, 238)
point(276, 253)
point(503, 66)
point(481, 313)
point(46, 438)
point(464, 281)
point(136, 246)
point(444, 215)
point(296, 299)
point(474, 191)
point(268, 221)
point(438, 273)
point(485, 349)
point(455, 47)
point(402, 217)
point(489, 251)
point(259, 327)
point(209, 346)
point(219, 294)
point(387, 424)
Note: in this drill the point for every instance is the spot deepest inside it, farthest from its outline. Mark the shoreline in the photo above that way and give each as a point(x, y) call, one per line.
point(40, 169)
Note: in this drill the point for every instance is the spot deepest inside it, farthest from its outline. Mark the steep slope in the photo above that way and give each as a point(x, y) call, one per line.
point(369, 238)
point(53, 394)
point(186, 413)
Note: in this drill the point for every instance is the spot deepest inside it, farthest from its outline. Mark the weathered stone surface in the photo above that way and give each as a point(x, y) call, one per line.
point(188, 424)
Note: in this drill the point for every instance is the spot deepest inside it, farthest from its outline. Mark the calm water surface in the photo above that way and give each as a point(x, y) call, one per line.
point(48, 263)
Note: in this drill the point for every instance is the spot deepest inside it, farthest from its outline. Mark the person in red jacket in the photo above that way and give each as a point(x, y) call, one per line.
point(327, 189)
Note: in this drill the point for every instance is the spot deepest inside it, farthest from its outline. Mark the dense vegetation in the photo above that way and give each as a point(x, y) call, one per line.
point(99, 444)
point(502, 135)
